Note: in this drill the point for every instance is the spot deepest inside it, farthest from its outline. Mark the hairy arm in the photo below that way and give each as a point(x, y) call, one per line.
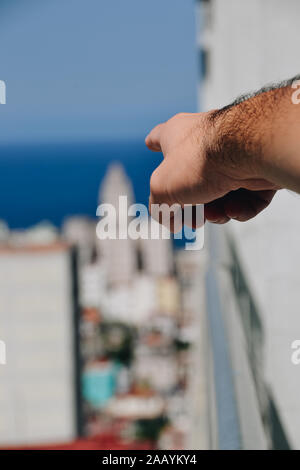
point(260, 134)
point(233, 159)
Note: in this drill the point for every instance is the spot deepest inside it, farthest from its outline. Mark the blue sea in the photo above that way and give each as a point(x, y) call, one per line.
point(52, 181)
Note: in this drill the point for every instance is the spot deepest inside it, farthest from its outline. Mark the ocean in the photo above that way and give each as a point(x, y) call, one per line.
point(52, 181)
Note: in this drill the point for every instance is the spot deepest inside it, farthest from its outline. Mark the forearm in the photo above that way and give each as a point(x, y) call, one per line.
point(261, 136)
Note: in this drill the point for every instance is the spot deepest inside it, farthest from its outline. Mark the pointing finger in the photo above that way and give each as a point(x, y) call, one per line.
point(153, 139)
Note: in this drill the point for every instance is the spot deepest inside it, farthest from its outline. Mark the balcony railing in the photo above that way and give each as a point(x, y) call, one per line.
point(242, 413)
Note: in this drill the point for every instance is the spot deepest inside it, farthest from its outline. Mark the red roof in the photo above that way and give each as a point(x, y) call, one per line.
point(101, 442)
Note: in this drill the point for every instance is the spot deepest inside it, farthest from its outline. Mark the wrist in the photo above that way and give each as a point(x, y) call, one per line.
point(237, 141)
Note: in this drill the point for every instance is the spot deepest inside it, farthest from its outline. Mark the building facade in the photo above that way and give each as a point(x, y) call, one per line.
point(39, 382)
point(244, 45)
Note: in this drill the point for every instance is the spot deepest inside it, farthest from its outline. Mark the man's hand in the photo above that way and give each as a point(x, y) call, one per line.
point(200, 167)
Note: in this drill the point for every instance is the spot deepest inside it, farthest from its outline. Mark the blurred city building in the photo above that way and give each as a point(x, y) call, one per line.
point(119, 254)
point(39, 391)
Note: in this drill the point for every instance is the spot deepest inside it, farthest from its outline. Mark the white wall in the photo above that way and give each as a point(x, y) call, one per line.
point(251, 43)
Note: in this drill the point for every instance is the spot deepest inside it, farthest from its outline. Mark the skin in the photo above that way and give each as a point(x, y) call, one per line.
point(232, 160)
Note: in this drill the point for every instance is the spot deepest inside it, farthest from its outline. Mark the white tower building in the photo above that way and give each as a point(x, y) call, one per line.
point(118, 254)
point(156, 254)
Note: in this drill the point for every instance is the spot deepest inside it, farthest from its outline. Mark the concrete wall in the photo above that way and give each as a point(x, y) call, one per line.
point(250, 43)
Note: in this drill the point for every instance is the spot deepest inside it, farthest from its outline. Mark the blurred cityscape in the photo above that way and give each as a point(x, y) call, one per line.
point(139, 344)
point(100, 335)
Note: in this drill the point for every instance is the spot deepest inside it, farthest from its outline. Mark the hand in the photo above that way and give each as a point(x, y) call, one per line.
point(195, 170)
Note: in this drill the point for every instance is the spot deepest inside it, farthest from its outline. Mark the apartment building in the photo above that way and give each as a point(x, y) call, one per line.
point(244, 45)
point(38, 323)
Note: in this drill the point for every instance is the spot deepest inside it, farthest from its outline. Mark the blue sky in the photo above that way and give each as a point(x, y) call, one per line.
point(94, 69)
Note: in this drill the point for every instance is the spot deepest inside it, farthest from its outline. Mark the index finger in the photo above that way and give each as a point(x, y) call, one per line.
point(153, 139)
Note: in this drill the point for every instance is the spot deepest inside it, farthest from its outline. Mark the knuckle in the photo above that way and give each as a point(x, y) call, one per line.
point(180, 115)
point(159, 127)
point(155, 129)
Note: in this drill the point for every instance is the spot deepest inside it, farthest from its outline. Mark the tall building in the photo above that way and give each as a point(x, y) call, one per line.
point(156, 254)
point(124, 257)
point(39, 393)
point(118, 254)
point(244, 45)
point(115, 184)
point(80, 231)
